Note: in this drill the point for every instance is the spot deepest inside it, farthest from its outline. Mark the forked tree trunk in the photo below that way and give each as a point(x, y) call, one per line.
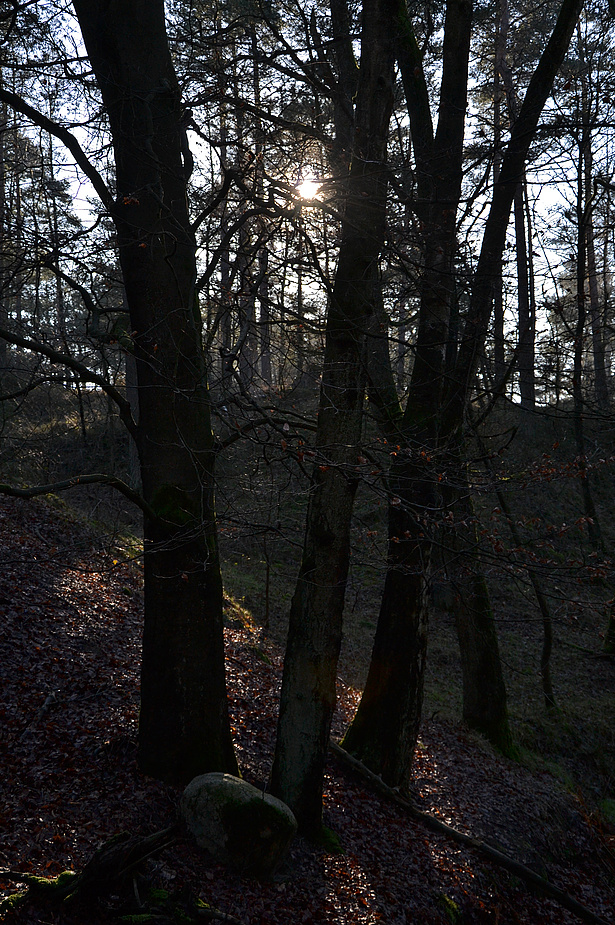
point(385, 727)
point(183, 727)
point(384, 730)
point(314, 636)
point(410, 556)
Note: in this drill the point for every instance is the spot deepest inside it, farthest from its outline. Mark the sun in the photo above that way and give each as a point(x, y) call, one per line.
point(308, 189)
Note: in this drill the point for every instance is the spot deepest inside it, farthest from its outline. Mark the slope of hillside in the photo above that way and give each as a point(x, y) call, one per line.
point(69, 660)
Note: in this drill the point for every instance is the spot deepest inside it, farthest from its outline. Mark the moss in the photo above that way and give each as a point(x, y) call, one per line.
point(329, 840)
point(158, 896)
point(13, 902)
point(42, 889)
point(174, 505)
point(607, 811)
point(261, 655)
point(248, 819)
point(450, 907)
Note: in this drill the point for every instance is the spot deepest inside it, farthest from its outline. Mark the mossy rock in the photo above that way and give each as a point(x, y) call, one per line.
point(237, 824)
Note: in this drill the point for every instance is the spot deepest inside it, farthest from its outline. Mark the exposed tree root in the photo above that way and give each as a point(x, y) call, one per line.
point(488, 851)
point(114, 865)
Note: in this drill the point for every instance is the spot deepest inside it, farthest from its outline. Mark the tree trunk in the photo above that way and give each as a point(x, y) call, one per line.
point(384, 731)
point(499, 358)
point(4, 287)
point(385, 728)
point(264, 319)
point(609, 636)
point(314, 637)
point(525, 361)
point(578, 400)
point(409, 544)
point(183, 727)
point(547, 622)
point(601, 388)
point(484, 691)
point(459, 387)
point(527, 324)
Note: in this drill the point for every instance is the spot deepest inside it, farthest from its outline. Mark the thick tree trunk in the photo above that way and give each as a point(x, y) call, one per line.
point(384, 731)
point(314, 637)
point(183, 728)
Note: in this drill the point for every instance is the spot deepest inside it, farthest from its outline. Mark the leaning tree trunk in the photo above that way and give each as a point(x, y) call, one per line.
point(314, 636)
point(183, 727)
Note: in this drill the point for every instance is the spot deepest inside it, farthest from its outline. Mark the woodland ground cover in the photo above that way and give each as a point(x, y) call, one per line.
point(69, 706)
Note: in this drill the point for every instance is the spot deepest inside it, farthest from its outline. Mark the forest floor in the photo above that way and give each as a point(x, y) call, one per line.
point(69, 668)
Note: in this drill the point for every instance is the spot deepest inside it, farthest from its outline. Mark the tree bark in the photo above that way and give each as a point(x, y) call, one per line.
point(525, 360)
point(384, 730)
point(314, 637)
point(386, 742)
point(484, 691)
point(494, 238)
point(578, 399)
point(527, 324)
point(183, 727)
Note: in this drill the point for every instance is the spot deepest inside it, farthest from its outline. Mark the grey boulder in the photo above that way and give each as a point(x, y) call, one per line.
point(237, 824)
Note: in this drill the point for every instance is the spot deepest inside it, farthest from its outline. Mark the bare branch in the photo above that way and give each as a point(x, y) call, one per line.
point(94, 478)
point(67, 139)
point(87, 375)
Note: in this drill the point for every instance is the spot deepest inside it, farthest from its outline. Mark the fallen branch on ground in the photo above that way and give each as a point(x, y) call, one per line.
point(492, 854)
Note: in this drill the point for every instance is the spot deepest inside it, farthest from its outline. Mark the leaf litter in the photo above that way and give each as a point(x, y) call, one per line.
point(69, 699)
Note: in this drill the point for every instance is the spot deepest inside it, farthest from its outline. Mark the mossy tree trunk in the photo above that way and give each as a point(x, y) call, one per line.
point(184, 727)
